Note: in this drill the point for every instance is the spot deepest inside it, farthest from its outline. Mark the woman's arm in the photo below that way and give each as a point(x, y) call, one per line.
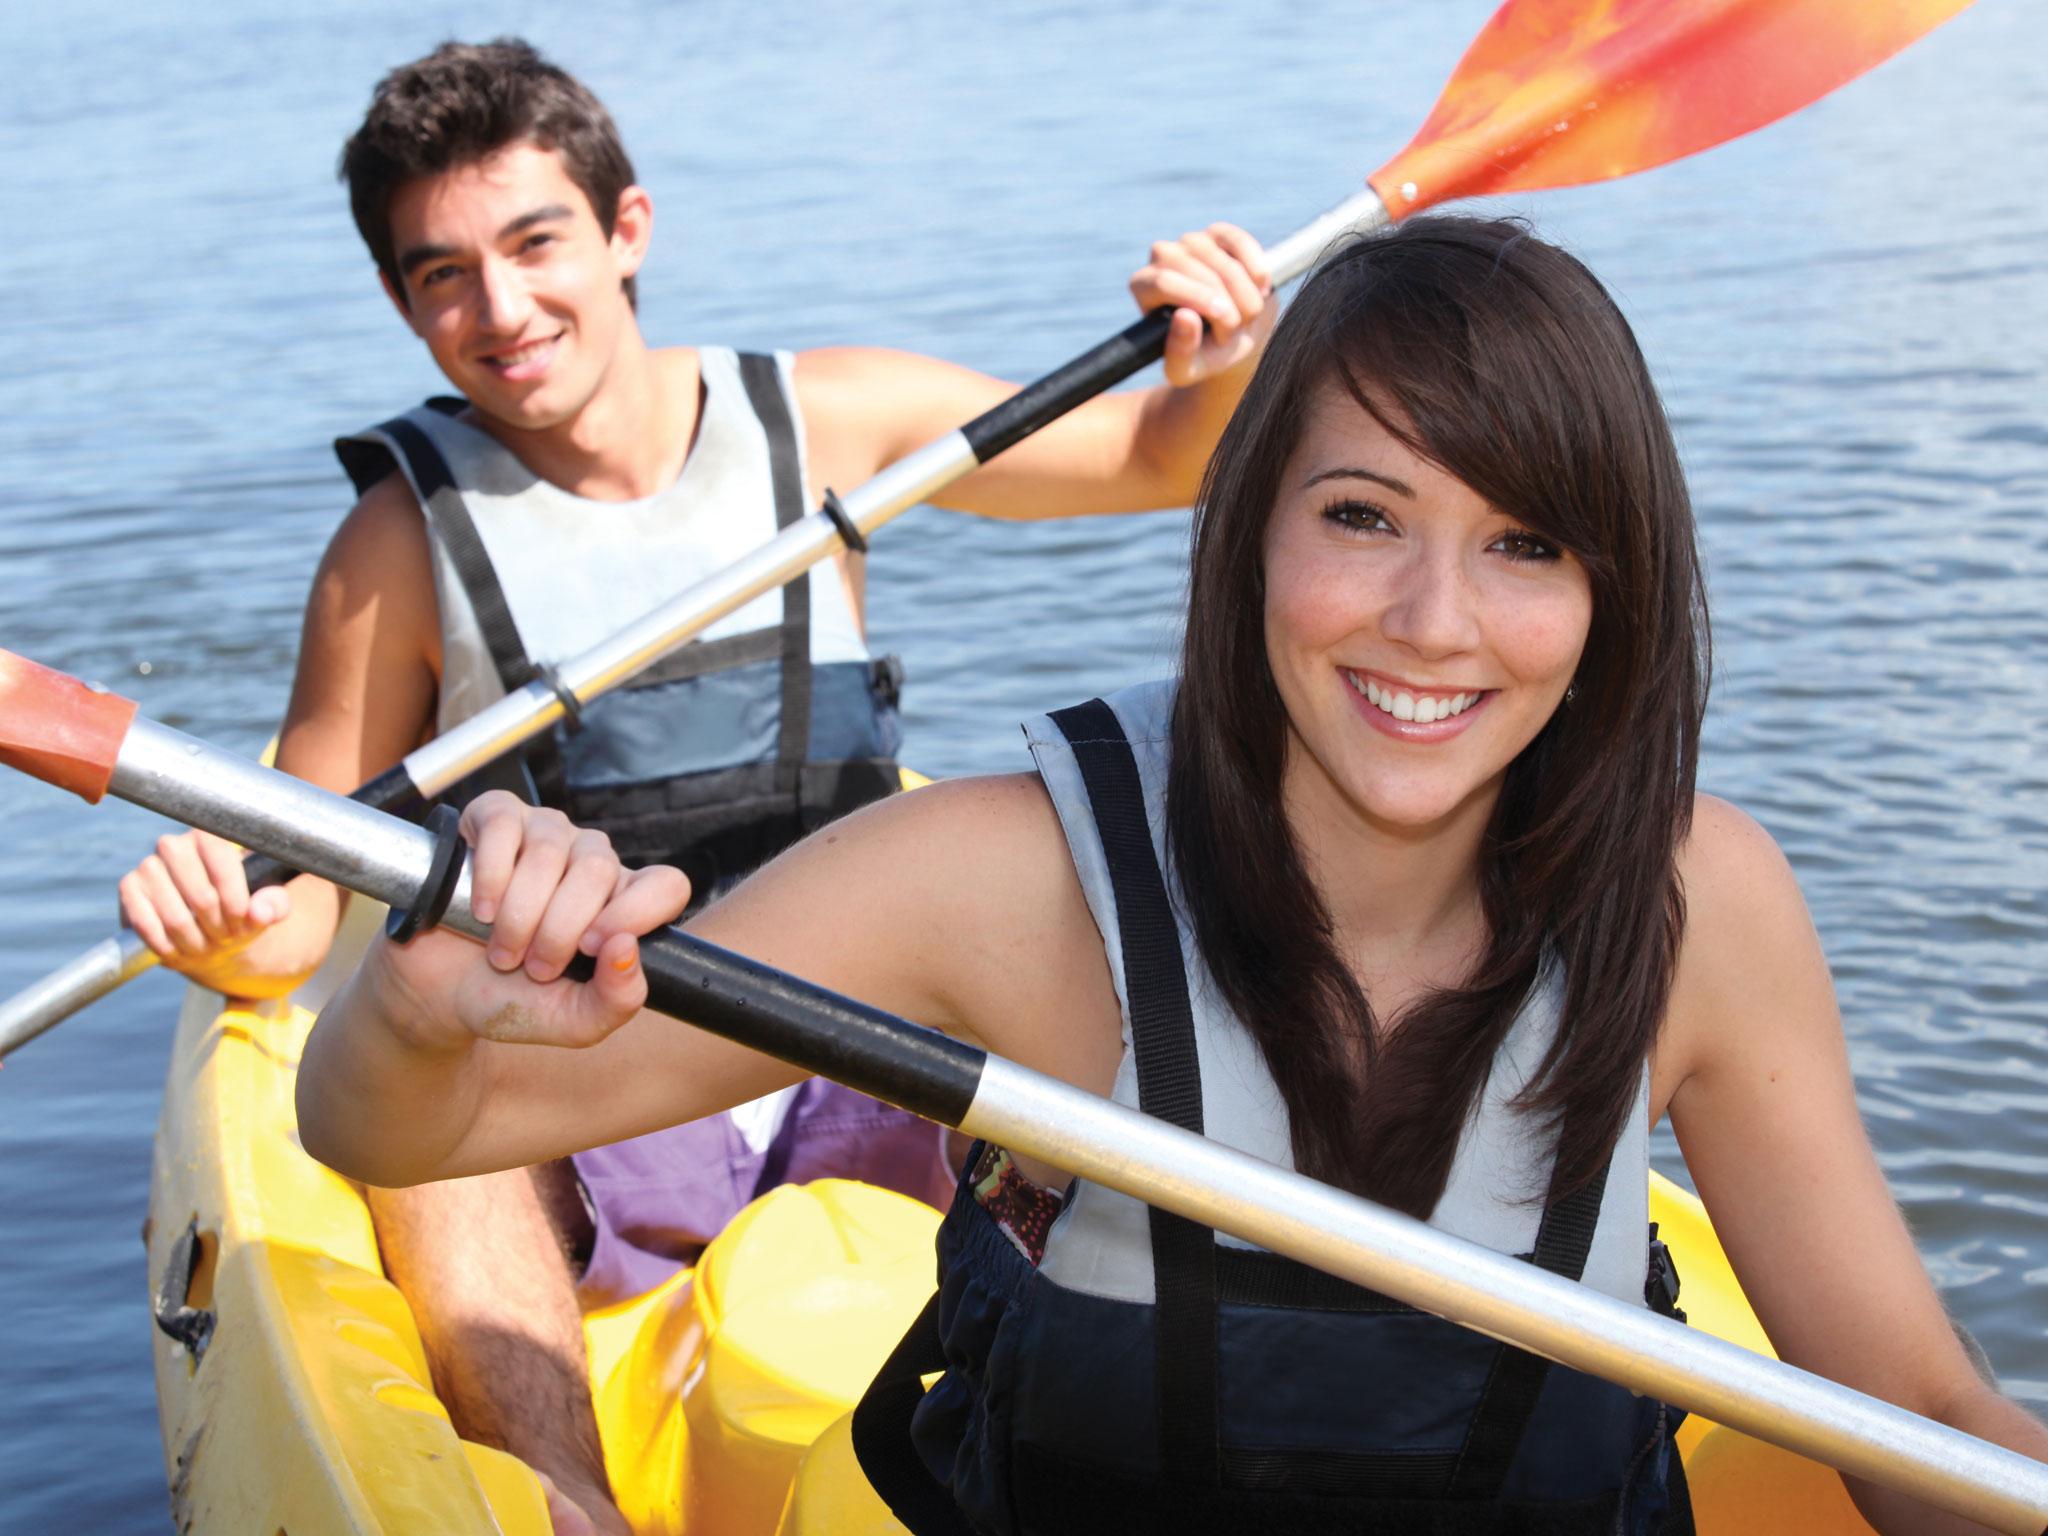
point(956, 903)
point(1757, 1078)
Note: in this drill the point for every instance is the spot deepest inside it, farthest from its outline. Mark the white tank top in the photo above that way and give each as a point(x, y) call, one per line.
point(1101, 1242)
point(575, 571)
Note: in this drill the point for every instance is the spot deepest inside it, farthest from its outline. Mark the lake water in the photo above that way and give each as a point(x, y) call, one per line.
point(1843, 311)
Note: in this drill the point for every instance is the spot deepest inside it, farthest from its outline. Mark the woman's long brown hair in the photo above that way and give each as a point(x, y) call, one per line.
point(1503, 360)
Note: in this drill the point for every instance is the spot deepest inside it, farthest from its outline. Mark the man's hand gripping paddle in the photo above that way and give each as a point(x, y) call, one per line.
point(1552, 93)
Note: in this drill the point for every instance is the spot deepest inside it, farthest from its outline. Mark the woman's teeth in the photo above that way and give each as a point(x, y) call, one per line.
point(1403, 705)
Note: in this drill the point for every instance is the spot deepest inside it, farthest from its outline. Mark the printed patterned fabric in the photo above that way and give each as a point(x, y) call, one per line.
point(1023, 1211)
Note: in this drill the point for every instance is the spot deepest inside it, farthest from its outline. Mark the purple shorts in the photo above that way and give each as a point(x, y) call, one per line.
point(658, 1199)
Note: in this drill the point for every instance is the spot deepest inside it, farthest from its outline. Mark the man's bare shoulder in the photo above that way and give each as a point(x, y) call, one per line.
point(384, 533)
point(377, 576)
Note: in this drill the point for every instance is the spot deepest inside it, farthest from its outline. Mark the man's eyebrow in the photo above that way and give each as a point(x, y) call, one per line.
point(418, 256)
point(1353, 472)
point(547, 215)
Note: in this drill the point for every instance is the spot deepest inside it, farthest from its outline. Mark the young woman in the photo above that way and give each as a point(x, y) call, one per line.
point(1424, 903)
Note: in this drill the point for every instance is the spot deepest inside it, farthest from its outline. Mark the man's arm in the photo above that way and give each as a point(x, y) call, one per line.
point(363, 696)
point(866, 407)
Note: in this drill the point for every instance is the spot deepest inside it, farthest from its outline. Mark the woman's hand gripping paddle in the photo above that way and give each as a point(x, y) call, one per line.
point(56, 728)
point(1551, 93)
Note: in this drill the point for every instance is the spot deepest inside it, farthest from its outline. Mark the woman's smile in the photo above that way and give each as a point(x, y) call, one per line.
point(1404, 611)
point(1409, 712)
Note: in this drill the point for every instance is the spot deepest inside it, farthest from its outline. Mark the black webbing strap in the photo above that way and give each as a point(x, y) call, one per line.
point(448, 515)
point(443, 505)
point(1169, 1086)
point(881, 1433)
point(1563, 1240)
point(785, 470)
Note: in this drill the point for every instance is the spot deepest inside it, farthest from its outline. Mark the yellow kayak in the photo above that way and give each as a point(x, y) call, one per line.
point(294, 1395)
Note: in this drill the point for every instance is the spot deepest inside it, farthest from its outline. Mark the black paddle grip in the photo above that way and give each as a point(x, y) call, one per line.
point(1047, 399)
point(921, 1070)
point(392, 790)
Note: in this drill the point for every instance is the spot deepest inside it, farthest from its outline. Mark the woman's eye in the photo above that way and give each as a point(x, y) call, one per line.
point(1520, 544)
point(1360, 516)
point(438, 275)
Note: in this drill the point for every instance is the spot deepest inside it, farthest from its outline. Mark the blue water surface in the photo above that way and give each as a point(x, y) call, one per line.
point(1843, 311)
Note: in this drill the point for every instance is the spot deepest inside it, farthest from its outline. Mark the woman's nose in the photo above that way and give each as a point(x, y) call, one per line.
point(1434, 610)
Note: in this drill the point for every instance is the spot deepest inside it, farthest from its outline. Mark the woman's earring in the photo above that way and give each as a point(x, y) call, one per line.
point(1571, 691)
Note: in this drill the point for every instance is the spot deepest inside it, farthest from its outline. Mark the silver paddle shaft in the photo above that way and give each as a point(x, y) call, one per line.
point(1507, 1299)
point(384, 857)
point(526, 712)
point(518, 716)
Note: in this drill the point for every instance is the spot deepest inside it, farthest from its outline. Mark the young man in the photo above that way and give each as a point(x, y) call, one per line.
point(582, 479)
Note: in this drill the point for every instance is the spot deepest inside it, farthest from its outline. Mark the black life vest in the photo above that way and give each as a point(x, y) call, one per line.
point(1253, 1394)
point(625, 766)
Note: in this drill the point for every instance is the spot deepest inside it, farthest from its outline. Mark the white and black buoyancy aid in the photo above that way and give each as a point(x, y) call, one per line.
point(773, 722)
point(1150, 1374)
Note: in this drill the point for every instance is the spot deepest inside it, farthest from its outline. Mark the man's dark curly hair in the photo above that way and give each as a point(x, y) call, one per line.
point(462, 103)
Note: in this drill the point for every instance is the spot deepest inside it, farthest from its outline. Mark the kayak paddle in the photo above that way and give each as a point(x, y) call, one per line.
point(93, 743)
point(1551, 93)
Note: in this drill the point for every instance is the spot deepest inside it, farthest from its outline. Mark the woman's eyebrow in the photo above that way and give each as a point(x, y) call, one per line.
point(1353, 472)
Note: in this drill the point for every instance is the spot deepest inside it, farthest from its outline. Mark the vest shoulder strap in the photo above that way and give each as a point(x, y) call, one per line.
point(881, 1433)
point(763, 381)
point(1169, 1085)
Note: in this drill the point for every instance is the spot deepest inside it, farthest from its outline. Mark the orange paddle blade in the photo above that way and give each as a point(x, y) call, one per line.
point(55, 728)
point(1556, 93)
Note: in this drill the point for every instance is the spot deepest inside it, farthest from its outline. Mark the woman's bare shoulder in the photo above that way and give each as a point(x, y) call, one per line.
point(1738, 884)
point(1750, 964)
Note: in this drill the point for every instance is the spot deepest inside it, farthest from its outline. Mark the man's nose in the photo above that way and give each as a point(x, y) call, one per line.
point(505, 303)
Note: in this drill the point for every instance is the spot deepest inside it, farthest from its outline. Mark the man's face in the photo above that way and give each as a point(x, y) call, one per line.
point(510, 280)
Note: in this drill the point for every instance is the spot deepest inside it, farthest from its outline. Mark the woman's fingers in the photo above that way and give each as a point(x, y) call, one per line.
point(1220, 272)
point(586, 885)
point(543, 859)
point(1177, 278)
point(617, 989)
point(550, 889)
point(642, 900)
point(495, 826)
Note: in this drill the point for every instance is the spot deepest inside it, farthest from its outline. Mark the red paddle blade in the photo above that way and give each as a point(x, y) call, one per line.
point(1556, 93)
point(55, 728)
